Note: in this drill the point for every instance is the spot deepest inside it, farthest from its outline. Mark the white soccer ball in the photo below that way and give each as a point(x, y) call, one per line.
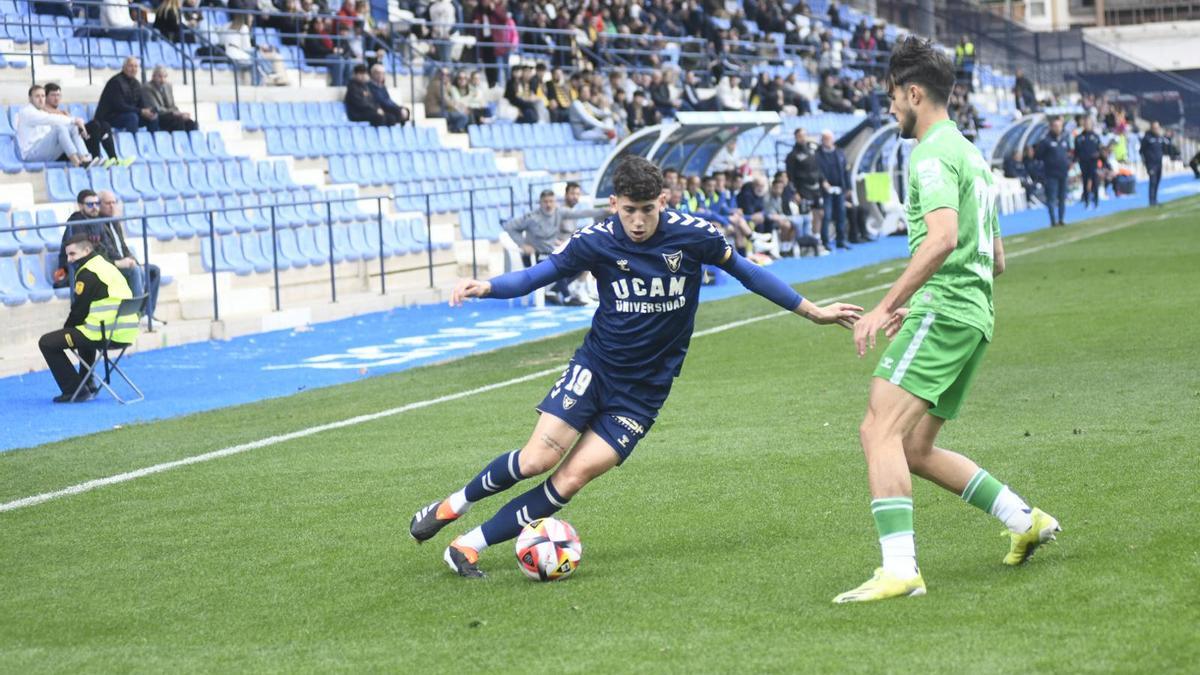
point(548, 549)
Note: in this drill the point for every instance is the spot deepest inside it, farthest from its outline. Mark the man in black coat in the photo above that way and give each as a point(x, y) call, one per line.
point(805, 176)
point(122, 104)
point(361, 105)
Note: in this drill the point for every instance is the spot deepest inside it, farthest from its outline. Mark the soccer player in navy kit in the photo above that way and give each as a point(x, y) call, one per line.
point(648, 265)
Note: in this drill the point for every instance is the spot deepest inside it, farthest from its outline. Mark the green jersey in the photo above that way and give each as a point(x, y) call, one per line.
point(946, 171)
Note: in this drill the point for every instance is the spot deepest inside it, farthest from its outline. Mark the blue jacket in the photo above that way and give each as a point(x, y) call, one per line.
point(381, 95)
point(1087, 147)
point(1055, 154)
point(833, 167)
point(1153, 148)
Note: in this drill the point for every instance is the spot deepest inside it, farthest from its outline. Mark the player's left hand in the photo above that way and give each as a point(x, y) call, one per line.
point(842, 313)
point(469, 288)
point(866, 328)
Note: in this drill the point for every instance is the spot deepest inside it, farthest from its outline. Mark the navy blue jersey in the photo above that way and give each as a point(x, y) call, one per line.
point(649, 292)
point(1087, 148)
point(1054, 153)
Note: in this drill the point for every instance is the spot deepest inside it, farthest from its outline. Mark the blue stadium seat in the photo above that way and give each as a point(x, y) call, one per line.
point(343, 245)
point(252, 252)
point(27, 239)
point(361, 242)
point(178, 222)
point(313, 243)
point(182, 184)
point(33, 277)
point(198, 178)
point(216, 145)
point(146, 147)
point(12, 291)
point(58, 186)
point(9, 161)
point(51, 236)
point(289, 248)
point(8, 242)
point(235, 216)
point(157, 225)
point(100, 178)
point(233, 176)
point(216, 177)
point(229, 248)
point(165, 147)
point(121, 178)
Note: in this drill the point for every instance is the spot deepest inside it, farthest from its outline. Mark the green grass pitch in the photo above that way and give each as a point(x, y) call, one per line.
point(717, 548)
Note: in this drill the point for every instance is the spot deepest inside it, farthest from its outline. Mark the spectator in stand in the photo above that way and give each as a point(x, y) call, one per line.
point(118, 24)
point(1054, 151)
point(393, 112)
point(361, 105)
point(752, 200)
point(558, 97)
point(436, 94)
point(259, 60)
point(805, 176)
point(442, 17)
point(660, 93)
point(588, 122)
point(177, 25)
point(640, 113)
point(479, 99)
point(1023, 94)
point(540, 232)
point(45, 137)
point(95, 133)
point(830, 94)
point(1194, 164)
point(835, 187)
point(458, 104)
point(670, 179)
point(789, 216)
point(161, 98)
point(122, 103)
point(492, 18)
point(320, 49)
point(964, 62)
point(520, 94)
point(691, 95)
point(141, 278)
point(835, 15)
point(290, 22)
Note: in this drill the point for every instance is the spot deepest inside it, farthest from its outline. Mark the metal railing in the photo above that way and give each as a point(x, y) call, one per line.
point(215, 266)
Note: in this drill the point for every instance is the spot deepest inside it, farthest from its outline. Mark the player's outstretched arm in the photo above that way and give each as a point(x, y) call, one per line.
point(511, 285)
point(772, 288)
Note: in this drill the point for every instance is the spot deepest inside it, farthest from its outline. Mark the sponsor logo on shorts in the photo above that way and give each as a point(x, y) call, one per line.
point(568, 402)
point(623, 440)
point(630, 424)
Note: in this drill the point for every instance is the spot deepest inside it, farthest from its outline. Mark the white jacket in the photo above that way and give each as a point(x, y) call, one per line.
point(116, 15)
point(33, 125)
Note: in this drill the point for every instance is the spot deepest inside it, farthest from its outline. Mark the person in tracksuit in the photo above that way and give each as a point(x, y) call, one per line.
point(1054, 151)
point(1154, 145)
point(1087, 153)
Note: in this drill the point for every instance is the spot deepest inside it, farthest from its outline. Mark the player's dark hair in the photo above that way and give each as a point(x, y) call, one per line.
point(919, 62)
point(360, 69)
point(638, 179)
point(51, 88)
point(572, 185)
point(33, 89)
point(84, 194)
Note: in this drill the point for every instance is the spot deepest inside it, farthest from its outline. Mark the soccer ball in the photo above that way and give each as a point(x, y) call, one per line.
point(548, 549)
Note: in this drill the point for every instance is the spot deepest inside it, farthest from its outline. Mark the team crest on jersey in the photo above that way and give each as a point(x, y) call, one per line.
point(674, 260)
point(623, 265)
point(568, 402)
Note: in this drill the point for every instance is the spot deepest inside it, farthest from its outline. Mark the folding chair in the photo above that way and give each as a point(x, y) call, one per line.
point(128, 309)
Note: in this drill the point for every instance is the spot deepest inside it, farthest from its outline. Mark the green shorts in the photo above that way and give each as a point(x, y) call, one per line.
point(934, 358)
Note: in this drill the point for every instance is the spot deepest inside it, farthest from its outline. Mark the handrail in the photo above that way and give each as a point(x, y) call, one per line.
point(326, 202)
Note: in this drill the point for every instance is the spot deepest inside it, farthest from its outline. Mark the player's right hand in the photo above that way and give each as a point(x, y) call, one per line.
point(469, 288)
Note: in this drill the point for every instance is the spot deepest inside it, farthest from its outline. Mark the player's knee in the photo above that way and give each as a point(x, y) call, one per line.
point(568, 483)
point(540, 455)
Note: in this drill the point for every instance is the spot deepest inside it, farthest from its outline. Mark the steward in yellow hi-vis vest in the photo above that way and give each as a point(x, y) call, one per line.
point(98, 291)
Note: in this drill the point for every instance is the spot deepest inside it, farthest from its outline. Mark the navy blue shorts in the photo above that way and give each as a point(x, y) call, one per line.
point(620, 413)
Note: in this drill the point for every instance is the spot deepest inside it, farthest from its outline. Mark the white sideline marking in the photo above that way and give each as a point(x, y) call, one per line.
point(302, 433)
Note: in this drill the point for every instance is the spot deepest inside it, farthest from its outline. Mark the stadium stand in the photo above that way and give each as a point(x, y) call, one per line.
point(279, 203)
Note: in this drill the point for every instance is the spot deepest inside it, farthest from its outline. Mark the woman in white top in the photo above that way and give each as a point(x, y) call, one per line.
point(239, 48)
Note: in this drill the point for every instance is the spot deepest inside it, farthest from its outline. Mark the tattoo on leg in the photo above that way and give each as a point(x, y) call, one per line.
point(554, 445)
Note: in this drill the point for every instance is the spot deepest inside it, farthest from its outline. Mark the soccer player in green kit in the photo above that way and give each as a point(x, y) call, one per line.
point(939, 339)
